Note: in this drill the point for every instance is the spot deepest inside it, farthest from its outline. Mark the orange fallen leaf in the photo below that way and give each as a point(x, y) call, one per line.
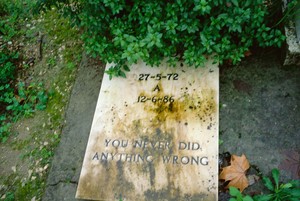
point(236, 172)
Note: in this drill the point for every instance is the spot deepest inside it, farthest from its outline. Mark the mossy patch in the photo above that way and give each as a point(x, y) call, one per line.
point(55, 52)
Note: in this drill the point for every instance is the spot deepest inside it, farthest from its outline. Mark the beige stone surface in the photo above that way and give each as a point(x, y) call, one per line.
point(154, 136)
point(292, 33)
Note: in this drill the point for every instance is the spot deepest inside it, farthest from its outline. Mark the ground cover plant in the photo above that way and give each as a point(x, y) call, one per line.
point(17, 99)
point(278, 191)
point(39, 55)
point(236, 179)
point(124, 32)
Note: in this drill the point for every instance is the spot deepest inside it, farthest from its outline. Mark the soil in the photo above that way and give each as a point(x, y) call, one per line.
point(26, 155)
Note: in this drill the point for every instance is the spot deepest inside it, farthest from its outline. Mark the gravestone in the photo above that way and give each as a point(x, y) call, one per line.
point(154, 136)
point(292, 33)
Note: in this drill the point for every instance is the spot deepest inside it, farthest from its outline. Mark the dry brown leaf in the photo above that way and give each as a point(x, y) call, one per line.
point(236, 172)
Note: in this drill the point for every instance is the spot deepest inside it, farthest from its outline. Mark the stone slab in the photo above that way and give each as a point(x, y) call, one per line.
point(292, 33)
point(297, 21)
point(66, 164)
point(154, 136)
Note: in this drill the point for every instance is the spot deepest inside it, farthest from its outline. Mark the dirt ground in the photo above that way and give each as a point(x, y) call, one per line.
point(51, 63)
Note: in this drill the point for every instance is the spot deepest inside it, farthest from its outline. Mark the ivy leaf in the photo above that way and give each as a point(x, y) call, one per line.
point(236, 172)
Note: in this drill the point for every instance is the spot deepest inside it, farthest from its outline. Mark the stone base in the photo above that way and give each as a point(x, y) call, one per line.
point(292, 32)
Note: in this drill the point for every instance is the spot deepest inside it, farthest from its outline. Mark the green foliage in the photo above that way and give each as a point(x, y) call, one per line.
point(7, 56)
point(9, 196)
point(51, 62)
point(61, 30)
point(290, 11)
point(237, 195)
point(12, 12)
point(27, 100)
point(4, 128)
point(280, 192)
point(124, 32)
point(17, 188)
point(7, 73)
point(23, 103)
point(16, 99)
point(23, 97)
point(7, 68)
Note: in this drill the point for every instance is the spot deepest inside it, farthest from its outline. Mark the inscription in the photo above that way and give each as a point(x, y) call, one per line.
point(151, 145)
point(116, 143)
point(139, 158)
point(189, 146)
point(148, 76)
point(154, 99)
point(162, 145)
point(157, 88)
point(185, 160)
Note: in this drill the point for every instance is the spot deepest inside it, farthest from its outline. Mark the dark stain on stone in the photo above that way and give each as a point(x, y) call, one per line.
point(164, 194)
point(152, 174)
point(104, 163)
point(203, 106)
point(121, 180)
point(158, 132)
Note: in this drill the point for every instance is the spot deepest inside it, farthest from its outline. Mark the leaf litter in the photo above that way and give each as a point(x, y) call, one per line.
point(236, 172)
